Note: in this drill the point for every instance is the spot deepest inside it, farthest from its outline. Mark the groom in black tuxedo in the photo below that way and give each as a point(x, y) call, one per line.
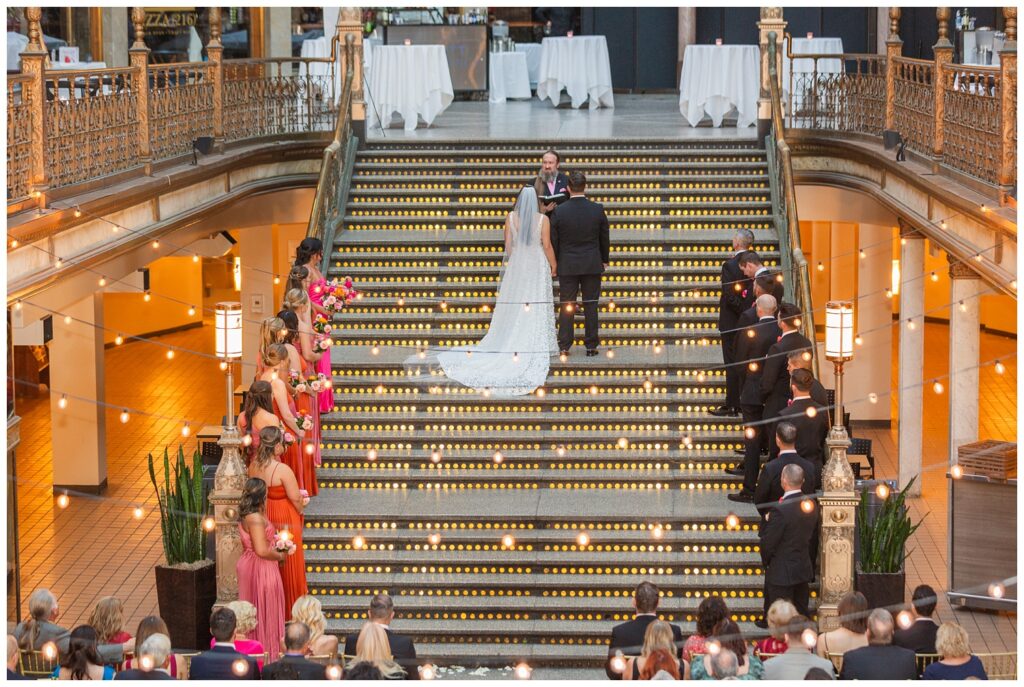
point(579, 236)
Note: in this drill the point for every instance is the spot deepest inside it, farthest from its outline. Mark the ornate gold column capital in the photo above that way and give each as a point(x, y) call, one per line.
point(139, 22)
point(960, 269)
point(215, 21)
point(942, 15)
point(908, 230)
point(35, 33)
point(894, 24)
point(1010, 15)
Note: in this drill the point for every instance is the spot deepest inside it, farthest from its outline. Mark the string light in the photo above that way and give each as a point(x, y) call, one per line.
point(434, 538)
point(515, 357)
point(186, 430)
point(375, 350)
point(195, 257)
point(147, 297)
point(943, 224)
point(435, 456)
point(223, 366)
point(427, 672)
point(911, 325)
point(713, 646)
point(657, 531)
point(498, 458)
point(859, 340)
point(63, 402)
point(618, 663)
point(569, 307)
point(371, 455)
point(103, 281)
point(888, 293)
point(611, 304)
point(334, 672)
point(582, 539)
point(138, 512)
point(147, 663)
point(750, 432)
point(563, 357)
point(14, 243)
point(240, 667)
point(821, 266)
point(508, 541)
point(996, 590)
point(623, 442)
point(170, 354)
point(49, 651)
point(59, 263)
point(935, 277)
point(277, 280)
point(560, 451)
point(209, 523)
point(937, 387)
point(156, 244)
point(904, 619)
point(807, 505)
point(1000, 368)
point(811, 411)
point(956, 471)
point(358, 542)
point(540, 392)
point(873, 397)
point(882, 491)
point(863, 254)
point(191, 311)
point(752, 366)
point(523, 671)
point(67, 319)
point(17, 304)
point(963, 306)
point(310, 449)
point(648, 384)
point(526, 307)
point(124, 416)
point(78, 211)
point(809, 638)
point(610, 354)
point(63, 501)
point(732, 521)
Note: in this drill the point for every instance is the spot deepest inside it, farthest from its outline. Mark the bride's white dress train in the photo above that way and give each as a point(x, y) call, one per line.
point(514, 356)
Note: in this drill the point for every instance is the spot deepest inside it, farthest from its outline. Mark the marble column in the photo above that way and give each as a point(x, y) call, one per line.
point(911, 357)
point(78, 431)
point(870, 372)
point(964, 351)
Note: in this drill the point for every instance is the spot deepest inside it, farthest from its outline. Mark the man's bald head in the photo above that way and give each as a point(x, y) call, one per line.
point(792, 477)
point(766, 305)
point(880, 627)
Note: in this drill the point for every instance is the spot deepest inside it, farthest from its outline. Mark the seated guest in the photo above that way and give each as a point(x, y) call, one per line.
point(920, 636)
point(811, 425)
point(769, 484)
point(382, 612)
point(710, 612)
point(40, 627)
point(223, 661)
point(818, 674)
point(801, 360)
point(245, 623)
point(307, 610)
point(294, 665)
point(879, 660)
point(549, 180)
point(82, 661)
point(662, 664)
point(364, 670)
point(372, 647)
point(108, 621)
point(628, 637)
point(13, 658)
point(154, 625)
point(727, 634)
point(155, 659)
point(957, 663)
point(853, 626)
point(779, 614)
point(659, 637)
point(724, 666)
point(794, 663)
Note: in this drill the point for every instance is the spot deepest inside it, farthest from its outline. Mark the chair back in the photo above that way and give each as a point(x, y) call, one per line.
point(323, 659)
point(837, 660)
point(1000, 666)
point(925, 660)
point(34, 665)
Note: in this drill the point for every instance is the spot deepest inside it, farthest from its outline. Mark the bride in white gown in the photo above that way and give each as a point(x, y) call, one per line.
point(514, 357)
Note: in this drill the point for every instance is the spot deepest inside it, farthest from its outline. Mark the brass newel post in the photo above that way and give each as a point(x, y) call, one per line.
point(770, 21)
point(893, 49)
point(943, 50)
point(138, 57)
point(215, 53)
point(350, 22)
point(1008, 106)
point(33, 63)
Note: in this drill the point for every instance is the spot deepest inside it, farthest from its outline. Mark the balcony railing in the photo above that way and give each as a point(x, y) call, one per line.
point(961, 118)
point(66, 128)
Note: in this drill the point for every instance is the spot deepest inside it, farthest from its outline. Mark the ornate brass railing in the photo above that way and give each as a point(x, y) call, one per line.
point(69, 127)
point(19, 135)
point(336, 172)
point(783, 188)
point(961, 119)
point(180, 106)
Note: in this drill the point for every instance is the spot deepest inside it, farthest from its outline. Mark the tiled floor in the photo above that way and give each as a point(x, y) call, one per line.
point(96, 548)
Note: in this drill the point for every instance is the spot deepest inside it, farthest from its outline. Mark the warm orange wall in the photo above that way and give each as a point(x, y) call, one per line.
point(997, 311)
point(177, 277)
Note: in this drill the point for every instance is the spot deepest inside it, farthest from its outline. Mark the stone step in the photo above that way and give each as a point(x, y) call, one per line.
point(695, 240)
point(450, 479)
point(568, 155)
point(495, 219)
point(597, 194)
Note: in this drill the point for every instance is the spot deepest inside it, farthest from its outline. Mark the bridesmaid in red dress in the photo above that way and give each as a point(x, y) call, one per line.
point(275, 372)
point(298, 302)
point(304, 401)
point(284, 507)
point(259, 576)
point(258, 405)
point(310, 255)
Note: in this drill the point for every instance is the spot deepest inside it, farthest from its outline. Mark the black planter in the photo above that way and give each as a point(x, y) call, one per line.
point(186, 598)
point(882, 590)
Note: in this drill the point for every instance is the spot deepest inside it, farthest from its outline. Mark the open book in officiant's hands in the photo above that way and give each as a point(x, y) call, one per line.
point(556, 198)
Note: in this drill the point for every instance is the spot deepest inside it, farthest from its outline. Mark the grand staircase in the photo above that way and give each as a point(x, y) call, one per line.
point(517, 529)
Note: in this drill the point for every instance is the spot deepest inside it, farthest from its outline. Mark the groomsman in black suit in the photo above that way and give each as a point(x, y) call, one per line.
point(737, 296)
point(628, 637)
point(785, 544)
point(769, 484)
point(810, 420)
point(752, 345)
point(801, 360)
point(775, 391)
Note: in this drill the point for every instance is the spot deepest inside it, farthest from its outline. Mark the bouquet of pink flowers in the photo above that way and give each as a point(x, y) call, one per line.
point(289, 439)
point(284, 543)
point(322, 344)
point(321, 325)
point(317, 382)
point(305, 497)
point(298, 382)
point(337, 293)
point(304, 420)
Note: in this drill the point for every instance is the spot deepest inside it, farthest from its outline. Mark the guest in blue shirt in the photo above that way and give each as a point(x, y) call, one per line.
point(957, 662)
point(82, 661)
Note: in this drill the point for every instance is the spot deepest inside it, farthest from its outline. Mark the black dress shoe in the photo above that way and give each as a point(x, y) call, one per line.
point(724, 411)
point(740, 451)
point(591, 352)
point(741, 497)
point(736, 471)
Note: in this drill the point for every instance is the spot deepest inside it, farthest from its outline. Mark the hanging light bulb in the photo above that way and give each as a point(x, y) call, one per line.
point(526, 307)
point(170, 354)
point(560, 451)
point(821, 266)
point(401, 302)
point(888, 293)
point(807, 505)
point(515, 357)
point(371, 455)
point(809, 638)
point(191, 311)
point(186, 430)
point(935, 277)
point(623, 442)
point(67, 319)
point(882, 491)
point(938, 388)
point(435, 456)
point(732, 521)
point(209, 523)
point(156, 244)
point(911, 325)
point(375, 350)
point(78, 212)
point(943, 224)
point(137, 513)
point(540, 392)
point(14, 243)
point(195, 258)
point(103, 281)
point(17, 304)
point(523, 671)
point(657, 531)
point(498, 458)
point(277, 280)
point(124, 416)
point(334, 672)
point(811, 411)
point(240, 667)
point(434, 538)
point(223, 366)
point(582, 539)
point(147, 297)
point(863, 254)
point(859, 340)
point(508, 541)
point(63, 501)
point(956, 471)
point(358, 542)
point(873, 397)
point(62, 403)
point(648, 384)
point(1000, 368)
point(59, 263)
point(997, 590)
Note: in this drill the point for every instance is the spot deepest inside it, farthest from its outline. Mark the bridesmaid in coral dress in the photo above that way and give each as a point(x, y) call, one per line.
point(310, 255)
point(284, 507)
point(306, 401)
point(258, 405)
point(275, 372)
point(259, 576)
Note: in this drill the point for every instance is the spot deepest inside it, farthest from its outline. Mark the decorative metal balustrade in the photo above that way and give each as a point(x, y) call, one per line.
point(959, 118)
point(71, 127)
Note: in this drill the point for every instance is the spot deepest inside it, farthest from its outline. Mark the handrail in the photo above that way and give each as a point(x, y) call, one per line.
point(332, 186)
point(787, 222)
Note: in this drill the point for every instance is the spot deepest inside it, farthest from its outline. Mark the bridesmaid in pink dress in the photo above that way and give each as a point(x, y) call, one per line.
point(258, 405)
point(258, 568)
point(310, 255)
point(307, 401)
point(275, 371)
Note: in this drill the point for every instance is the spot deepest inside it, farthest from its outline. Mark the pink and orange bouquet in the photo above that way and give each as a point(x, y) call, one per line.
point(321, 325)
point(289, 439)
point(337, 293)
point(305, 497)
point(300, 384)
point(304, 420)
point(322, 344)
point(317, 382)
point(284, 543)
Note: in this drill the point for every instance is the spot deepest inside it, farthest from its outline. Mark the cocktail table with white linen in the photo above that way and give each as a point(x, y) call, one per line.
point(717, 79)
point(579, 65)
point(509, 76)
point(410, 80)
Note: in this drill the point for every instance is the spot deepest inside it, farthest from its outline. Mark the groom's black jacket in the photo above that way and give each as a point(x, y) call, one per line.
point(579, 235)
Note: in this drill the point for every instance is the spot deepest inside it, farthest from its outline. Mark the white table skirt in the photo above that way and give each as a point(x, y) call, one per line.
point(410, 80)
point(532, 52)
point(812, 46)
point(579, 65)
point(508, 76)
point(717, 79)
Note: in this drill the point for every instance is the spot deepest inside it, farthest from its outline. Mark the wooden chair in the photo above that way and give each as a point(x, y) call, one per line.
point(861, 459)
point(1000, 666)
point(925, 660)
point(33, 664)
point(837, 661)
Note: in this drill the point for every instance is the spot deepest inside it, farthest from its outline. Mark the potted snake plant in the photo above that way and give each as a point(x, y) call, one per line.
point(882, 540)
point(186, 586)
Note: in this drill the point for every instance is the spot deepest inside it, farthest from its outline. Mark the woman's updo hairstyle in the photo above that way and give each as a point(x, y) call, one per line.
point(295, 299)
point(307, 249)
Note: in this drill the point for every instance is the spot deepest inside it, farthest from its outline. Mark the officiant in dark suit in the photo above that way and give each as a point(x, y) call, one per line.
point(550, 181)
point(580, 238)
